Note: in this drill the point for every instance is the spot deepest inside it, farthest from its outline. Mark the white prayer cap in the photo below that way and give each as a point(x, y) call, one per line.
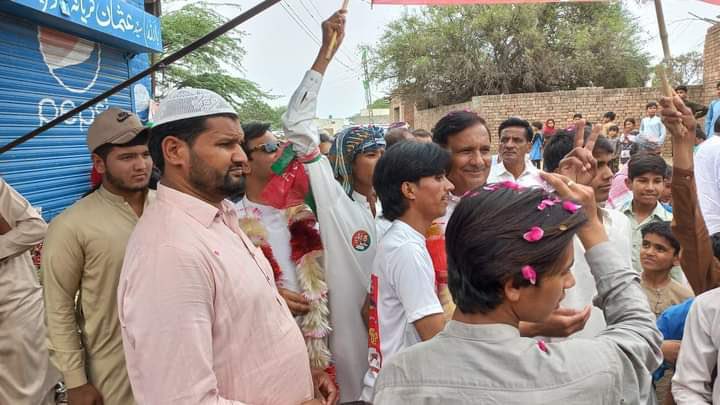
point(188, 102)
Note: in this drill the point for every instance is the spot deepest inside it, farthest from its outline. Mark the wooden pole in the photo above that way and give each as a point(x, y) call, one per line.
point(663, 33)
point(333, 40)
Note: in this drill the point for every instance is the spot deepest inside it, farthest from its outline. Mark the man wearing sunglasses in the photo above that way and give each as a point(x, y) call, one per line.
point(263, 149)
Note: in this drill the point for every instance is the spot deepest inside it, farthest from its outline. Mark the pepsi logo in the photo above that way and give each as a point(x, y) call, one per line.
point(72, 61)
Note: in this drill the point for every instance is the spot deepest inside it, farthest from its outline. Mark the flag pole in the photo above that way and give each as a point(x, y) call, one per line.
point(333, 40)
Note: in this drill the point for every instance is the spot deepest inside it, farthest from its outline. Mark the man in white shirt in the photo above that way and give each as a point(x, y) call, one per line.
point(465, 135)
point(349, 234)
point(707, 173)
point(651, 127)
point(403, 306)
point(515, 137)
point(578, 301)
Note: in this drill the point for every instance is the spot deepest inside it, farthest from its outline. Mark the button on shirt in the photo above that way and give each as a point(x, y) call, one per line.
point(530, 177)
point(658, 214)
point(493, 364)
point(405, 294)
point(83, 256)
point(707, 173)
point(202, 321)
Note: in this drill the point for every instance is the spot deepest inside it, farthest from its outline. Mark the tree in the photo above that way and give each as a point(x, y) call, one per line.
point(443, 55)
point(686, 69)
point(214, 66)
point(380, 103)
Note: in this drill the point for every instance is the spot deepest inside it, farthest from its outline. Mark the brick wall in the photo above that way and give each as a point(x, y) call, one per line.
point(711, 65)
point(592, 103)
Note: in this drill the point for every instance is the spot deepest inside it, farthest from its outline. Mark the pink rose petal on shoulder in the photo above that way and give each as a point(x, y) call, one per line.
point(534, 234)
point(529, 274)
point(570, 206)
point(491, 187)
point(546, 203)
point(543, 346)
point(510, 184)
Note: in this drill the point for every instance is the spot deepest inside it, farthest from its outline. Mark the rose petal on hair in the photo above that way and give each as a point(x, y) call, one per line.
point(546, 203)
point(543, 346)
point(534, 234)
point(570, 206)
point(529, 274)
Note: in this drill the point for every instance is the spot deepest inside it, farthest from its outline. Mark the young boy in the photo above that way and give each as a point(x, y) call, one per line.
point(536, 146)
point(659, 253)
point(651, 127)
point(646, 180)
point(403, 307)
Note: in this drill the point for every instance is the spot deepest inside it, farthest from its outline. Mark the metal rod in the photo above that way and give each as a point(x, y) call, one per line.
point(159, 65)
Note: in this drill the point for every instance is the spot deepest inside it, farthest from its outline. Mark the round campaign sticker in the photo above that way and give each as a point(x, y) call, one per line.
point(361, 241)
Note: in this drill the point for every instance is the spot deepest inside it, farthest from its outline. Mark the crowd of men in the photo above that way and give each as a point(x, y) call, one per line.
point(386, 268)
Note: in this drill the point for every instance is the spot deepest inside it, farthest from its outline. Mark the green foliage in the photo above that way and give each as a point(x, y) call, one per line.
point(687, 69)
point(214, 66)
point(380, 103)
point(443, 55)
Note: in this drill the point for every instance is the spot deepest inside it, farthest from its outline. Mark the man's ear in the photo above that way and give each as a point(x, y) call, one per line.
point(175, 151)
point(408, 190)
point(98, 164)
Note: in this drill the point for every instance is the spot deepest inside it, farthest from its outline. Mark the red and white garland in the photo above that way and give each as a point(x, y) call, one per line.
point(307, 254)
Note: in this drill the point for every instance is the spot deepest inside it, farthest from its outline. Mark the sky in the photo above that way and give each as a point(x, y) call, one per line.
point(280, 45)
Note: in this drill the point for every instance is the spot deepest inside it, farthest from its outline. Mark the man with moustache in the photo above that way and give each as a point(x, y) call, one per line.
point(465, 135)
point(515, 137)
point(203, 322)
point(82, 258)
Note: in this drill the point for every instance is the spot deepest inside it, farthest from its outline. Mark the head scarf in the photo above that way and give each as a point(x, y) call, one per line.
point(349, 143)
point(547, 131)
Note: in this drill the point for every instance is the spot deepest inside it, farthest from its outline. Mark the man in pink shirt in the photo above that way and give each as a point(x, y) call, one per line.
point(202, 321)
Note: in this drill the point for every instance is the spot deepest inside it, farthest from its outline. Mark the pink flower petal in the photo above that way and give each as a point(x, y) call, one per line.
point(546, 203)
point(510, 184)
point(570, 206)
point(529, 274)
point(534, 234)
point(543, 346)
point(491, 187)
point(470, 193)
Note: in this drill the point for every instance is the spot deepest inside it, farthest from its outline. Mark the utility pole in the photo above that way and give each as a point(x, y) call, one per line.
point(366, 84)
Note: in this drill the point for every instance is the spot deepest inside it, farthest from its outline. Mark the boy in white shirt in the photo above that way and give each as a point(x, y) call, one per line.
point(403, 306)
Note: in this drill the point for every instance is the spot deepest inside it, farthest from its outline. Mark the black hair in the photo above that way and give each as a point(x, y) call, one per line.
point(537, 124)
point(629, 120)
point(406, 162)
point(614, 128)
point(455, 122)
point(486, 248)
point(422, 133)
point(651, 104)
point(681, 87)
point(715, 239)
point(716, 127)
point(700, 133)
point(253, 130)
point(645, 163)
point(577, 116)
point(324, 138)
point(186, 130)
point(563, 143)
point(662, 229)
point(610, 115)
point(717, 86)
point(669, 172)
point(395, 135)
point(517, 122)
point(104, 150)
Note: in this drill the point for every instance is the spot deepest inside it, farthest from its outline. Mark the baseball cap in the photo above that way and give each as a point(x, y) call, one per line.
point(189, 102)
point(113, 126)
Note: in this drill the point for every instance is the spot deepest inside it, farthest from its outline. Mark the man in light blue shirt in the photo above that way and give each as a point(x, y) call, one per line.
point(651, 127)
point(713, 113)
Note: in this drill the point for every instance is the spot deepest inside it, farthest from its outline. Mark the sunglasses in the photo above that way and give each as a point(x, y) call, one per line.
point(267, 147)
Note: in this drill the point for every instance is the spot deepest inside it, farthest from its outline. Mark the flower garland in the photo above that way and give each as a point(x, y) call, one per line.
point(307, 254)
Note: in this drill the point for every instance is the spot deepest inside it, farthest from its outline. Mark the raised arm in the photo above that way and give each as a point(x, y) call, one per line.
point(298, 120)
point(698, 261)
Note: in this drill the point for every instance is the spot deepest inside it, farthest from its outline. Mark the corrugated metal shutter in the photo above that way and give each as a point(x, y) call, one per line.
point(42, 74)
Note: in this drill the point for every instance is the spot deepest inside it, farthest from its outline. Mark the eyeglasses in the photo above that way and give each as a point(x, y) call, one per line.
point(267, 147)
